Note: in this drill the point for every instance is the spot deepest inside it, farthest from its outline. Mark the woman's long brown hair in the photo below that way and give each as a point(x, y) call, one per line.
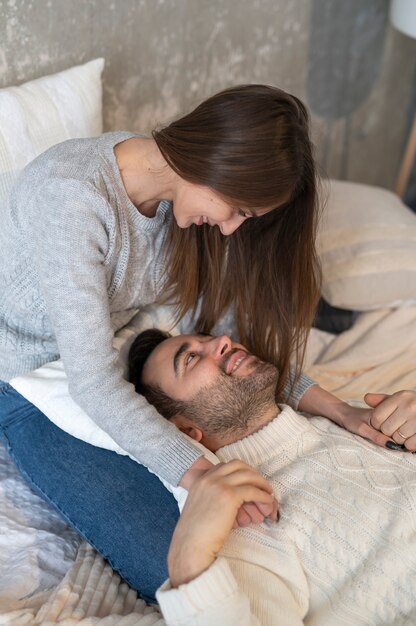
point(251, 145)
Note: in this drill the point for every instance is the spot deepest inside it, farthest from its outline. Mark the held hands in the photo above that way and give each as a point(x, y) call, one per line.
point(249, 512)
point(209, 514)
point(395, 416)
point(391, 422)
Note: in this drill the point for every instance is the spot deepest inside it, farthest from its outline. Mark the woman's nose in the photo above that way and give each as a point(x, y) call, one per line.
point(228, 227)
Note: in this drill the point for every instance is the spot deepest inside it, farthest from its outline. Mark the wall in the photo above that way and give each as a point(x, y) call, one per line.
point(342, 57)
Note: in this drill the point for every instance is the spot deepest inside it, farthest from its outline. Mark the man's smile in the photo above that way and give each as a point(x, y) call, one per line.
point(234, 360)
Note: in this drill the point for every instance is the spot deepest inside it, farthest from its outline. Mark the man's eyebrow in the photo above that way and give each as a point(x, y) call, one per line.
point(182, 348)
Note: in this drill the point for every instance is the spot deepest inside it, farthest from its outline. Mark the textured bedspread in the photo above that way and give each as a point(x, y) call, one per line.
point(48, 577)
point(36, 546)
point(377, 354)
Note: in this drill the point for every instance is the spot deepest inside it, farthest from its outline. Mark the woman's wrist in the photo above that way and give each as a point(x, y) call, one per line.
point(318, 401)
point(340, 411)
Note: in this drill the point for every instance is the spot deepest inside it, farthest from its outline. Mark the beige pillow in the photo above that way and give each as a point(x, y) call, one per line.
point(367, 246)
point(46, 111)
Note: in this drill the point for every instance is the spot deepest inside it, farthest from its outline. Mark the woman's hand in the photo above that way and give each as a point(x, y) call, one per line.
point(359, 421)
point(380, 424)
point(395, 416)
point(318, 401)
point(209, 514)
point(248, 513)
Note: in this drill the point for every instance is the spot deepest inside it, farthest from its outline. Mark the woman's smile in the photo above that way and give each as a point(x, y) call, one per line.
point(204, 220)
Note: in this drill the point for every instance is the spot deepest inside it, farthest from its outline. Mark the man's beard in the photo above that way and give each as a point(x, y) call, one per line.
point(233, 404)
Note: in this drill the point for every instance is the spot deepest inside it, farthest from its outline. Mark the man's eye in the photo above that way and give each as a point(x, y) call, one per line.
point(189, 358)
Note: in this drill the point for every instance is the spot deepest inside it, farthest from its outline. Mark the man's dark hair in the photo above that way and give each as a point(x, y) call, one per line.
point(141, 348)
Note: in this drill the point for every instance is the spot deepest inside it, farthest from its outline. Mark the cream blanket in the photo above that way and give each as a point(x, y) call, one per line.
point(377, 354)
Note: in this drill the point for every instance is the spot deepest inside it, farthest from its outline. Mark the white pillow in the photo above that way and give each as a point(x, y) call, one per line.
point(367, 246)
point(46, 111)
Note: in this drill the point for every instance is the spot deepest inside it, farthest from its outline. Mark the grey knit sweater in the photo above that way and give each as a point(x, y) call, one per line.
point(76, 261)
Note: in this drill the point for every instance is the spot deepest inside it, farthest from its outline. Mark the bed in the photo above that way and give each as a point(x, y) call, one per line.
point(367, 245)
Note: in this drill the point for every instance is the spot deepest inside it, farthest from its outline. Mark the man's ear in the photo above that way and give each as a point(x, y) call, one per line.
point(187, 427)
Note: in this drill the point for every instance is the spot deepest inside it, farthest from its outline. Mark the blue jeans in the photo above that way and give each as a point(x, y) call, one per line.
point(115, 504)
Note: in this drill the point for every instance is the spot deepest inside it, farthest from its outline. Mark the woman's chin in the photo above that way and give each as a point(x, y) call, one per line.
point(185, 221)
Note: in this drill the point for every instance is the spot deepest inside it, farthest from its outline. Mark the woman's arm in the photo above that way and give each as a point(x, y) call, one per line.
point(66, 231)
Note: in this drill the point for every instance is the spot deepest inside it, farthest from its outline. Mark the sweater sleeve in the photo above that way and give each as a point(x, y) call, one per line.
point(215, 597)
point(69, 242)
point(294, 396)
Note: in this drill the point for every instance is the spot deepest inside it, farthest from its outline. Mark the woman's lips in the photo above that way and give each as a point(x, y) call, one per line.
point(203, 220)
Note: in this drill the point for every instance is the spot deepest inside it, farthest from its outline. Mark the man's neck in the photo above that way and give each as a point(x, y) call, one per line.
point(267, 416)
point(215, 442)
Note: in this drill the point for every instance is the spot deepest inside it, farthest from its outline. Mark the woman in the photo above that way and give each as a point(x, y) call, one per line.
point(99, 227)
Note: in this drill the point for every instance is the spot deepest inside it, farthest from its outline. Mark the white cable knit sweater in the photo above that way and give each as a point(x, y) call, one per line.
point(343, 552)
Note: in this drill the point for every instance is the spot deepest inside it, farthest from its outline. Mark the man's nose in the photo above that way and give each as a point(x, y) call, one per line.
point(218, 346)
point(228, 227)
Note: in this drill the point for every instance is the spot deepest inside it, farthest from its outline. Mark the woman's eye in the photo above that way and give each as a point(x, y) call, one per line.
point(243, 213)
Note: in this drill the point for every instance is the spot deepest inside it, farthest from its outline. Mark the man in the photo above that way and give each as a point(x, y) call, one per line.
point(344, 550)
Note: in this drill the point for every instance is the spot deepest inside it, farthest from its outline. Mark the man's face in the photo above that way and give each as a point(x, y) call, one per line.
point(217, 379)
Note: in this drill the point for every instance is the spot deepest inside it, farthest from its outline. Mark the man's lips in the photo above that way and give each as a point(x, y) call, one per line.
point(235, 361)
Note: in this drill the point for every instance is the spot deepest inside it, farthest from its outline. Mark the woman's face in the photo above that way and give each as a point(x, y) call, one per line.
point(196, 204)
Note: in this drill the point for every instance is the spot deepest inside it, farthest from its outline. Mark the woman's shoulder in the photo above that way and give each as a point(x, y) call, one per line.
point(76, 158)
point(81, 163)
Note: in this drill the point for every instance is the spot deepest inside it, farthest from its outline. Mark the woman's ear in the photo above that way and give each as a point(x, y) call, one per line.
point(187, 427)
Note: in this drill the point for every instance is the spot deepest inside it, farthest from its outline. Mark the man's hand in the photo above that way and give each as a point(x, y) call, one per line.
point(395, 416)
point(209, 515)
point(248, 513)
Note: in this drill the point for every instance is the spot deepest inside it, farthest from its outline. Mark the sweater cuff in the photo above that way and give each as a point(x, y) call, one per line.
point(179, 454)
point(189, 600)
point(294, 396)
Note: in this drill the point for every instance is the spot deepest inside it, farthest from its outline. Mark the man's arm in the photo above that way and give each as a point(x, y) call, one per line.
point(202, 589)
point(230, 592)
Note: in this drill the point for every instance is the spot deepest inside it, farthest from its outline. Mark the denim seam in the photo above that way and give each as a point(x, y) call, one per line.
point(67, 518)
point(21, 414)
point(5, 387)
